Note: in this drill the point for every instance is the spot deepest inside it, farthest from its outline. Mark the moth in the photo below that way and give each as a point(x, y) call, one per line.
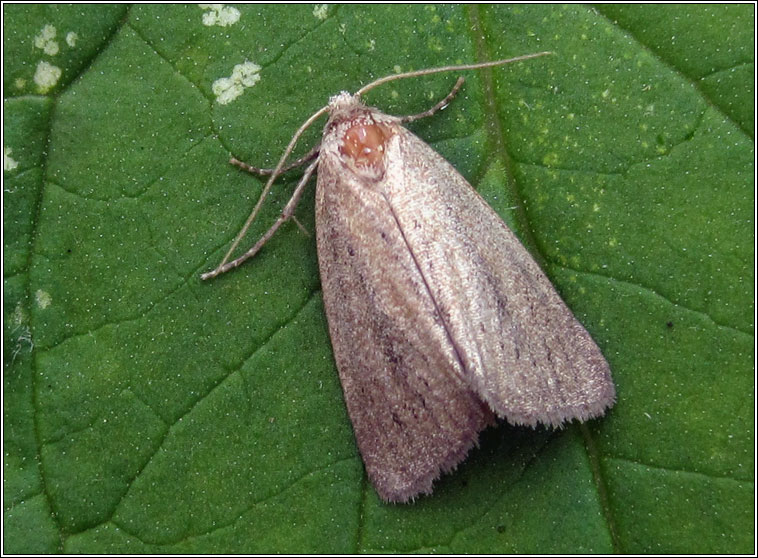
point(440, 320)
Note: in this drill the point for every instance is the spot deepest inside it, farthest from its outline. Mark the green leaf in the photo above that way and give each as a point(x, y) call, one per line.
point(147, 411)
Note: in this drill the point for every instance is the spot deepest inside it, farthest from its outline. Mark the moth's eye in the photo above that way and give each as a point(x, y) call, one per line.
point(364, 143)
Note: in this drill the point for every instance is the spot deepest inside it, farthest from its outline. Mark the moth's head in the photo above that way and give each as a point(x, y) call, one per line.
point(344, 103)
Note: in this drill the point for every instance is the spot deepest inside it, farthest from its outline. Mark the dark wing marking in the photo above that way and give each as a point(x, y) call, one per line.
point(412, 410)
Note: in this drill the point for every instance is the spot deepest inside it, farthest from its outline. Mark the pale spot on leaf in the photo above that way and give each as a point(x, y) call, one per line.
point(46, 40)
point(46, 76)
point(219, 14)
point(320, 11)
point(244, 75)
point(8, 163)
point(43, 299)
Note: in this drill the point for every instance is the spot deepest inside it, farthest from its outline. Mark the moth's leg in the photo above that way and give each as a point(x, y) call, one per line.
point(442, 104)
point(255, 170)
point(287, 213)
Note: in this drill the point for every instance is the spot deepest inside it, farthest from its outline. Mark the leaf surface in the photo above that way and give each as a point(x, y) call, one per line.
point(147, 411)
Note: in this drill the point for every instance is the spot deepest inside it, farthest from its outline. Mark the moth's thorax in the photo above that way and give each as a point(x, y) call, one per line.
point(363, 143)
point(358, 136)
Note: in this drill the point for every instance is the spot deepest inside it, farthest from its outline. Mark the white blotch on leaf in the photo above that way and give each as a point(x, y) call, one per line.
point(8, 163)
point(320, 11)
point(219, 14)
point(227, 89)
point(46, 76)
point(19, 316)
point(46, 40)
point(22, 331)
point(43, 299)
point(71, 38)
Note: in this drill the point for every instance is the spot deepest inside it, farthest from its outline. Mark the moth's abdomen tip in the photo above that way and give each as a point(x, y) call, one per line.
point(403, 496)
point(400, 488)
point(399, 485)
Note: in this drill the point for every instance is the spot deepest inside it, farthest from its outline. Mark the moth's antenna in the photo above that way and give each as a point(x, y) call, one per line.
point(460, 68)
point(278, 169)
point(264, 192)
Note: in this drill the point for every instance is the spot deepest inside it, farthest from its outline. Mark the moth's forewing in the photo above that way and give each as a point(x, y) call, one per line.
point(413, 413)
point(522, 349)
